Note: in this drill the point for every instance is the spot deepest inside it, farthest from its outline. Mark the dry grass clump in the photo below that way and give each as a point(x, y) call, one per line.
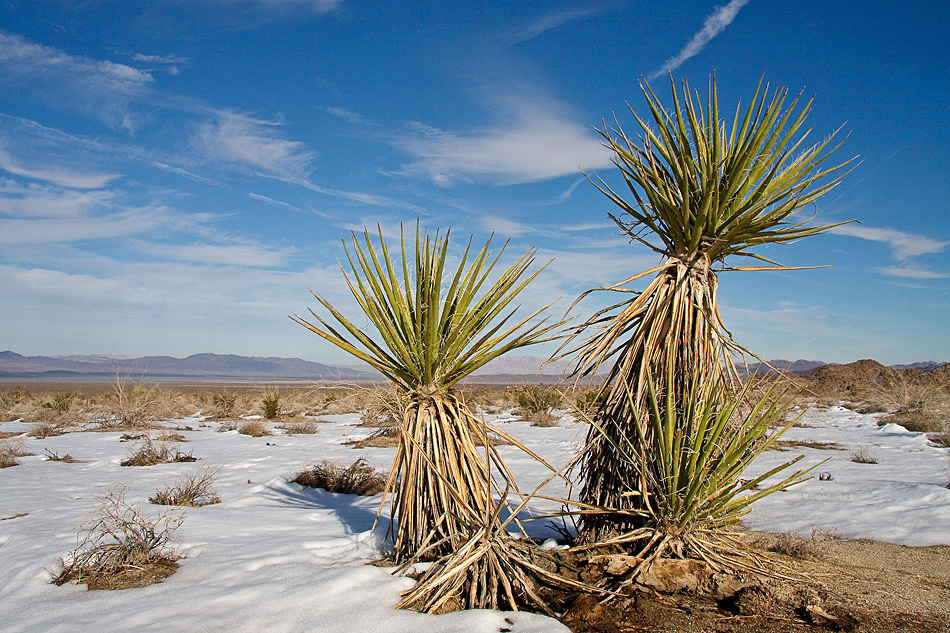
point(254, 428)
point(192, 490)
point(386, 437)
point(56, 457)
point(120, 548)
point(940, 439)
point(152, 452)
point(11, 449)
point(863, 455)
point(301, 427)
point(42, 430)
point(489, 398)
point(536, 403)
point(359, 478)
point(784, 445)
point(794, 545)
point(221, 405)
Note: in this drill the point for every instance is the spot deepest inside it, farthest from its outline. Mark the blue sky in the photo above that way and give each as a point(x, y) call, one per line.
point(175, 173)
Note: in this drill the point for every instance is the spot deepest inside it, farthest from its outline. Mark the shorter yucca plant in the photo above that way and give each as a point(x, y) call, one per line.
point(689, 456)
point(436, 324)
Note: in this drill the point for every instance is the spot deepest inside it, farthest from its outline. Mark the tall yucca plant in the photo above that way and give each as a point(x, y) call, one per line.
point(701, 190)
point(435, 324)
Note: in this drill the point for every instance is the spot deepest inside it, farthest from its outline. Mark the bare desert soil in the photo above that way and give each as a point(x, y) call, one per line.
point(859, 585)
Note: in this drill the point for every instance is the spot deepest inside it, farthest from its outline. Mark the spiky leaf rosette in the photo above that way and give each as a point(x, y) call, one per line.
point(687, 457)
point(701, 191)
point(435, 324)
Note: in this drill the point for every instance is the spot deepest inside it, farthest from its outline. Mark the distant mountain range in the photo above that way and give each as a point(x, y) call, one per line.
point(197, 366)
point(211, 367)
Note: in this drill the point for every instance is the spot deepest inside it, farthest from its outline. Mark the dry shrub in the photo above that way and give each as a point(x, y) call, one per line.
point(489, 398)
point(172, 404)
point(11, 449)
point(920, 402)
point(254, 428)
point(55, 457)
point(301, 427)
point(120, 548)
point(359, 478)
point(793, 545)
point(344, 399)
point(192, 490)
point(940, 439)
point(386, 437)
point(299, 402)
point(129, 406)
point(382, 407)
point(784, 445)
point(168, 436)
point(152, 452)
point(863, 455)
point(536, 403)
point(12, 397)
point(42, 430)
point(223, 404)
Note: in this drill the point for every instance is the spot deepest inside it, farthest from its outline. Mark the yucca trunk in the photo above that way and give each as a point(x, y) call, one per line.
point(678, 323)
point(443, 487)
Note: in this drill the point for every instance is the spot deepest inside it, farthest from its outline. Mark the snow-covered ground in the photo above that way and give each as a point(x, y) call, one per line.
point(276, 557)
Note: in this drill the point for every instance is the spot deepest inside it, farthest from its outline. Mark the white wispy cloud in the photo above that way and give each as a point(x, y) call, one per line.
point(351, 117)
point(911, 271)
point(536, 142)
point(545, 23)
point(241, 140)
point(716, 22)
point(35, 201)
point(250, 255)
point(184, 173)
point(77, 229)
point(54, 174)
point(161, 59)
point(904, 247)
point(168, 63)
point(94, 87)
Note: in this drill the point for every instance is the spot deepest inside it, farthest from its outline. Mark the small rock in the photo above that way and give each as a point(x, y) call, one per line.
point(819, 617)
point(674, 576)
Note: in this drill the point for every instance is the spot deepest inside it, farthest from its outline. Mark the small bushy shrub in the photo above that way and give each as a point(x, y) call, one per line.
point(385, 437)
point(10, 450)
point(270, 405)
point(940, 439)
point(300, 427)
point(536, 403)
point(254, 428)
point(168, 436)
point(795, 546)
point(42, 430)
point(60, 402)
point(223, 404)
point(192, 490)
point(55, 457)
point(121, 548)
point(359, 478)
point(152, 452)
point(863, 455)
